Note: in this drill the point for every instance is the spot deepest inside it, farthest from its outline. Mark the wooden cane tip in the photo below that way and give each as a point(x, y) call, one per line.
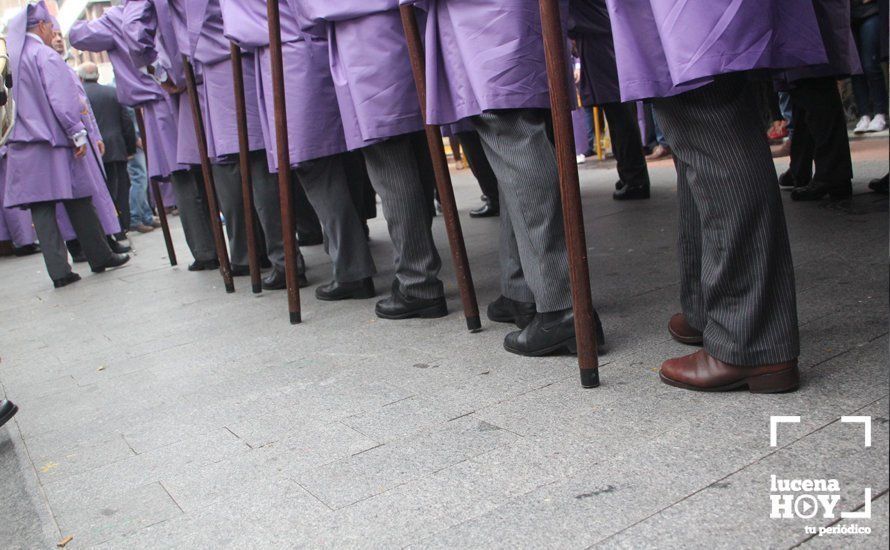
point(296, 318)
point(590, 378)
point(230, 288)
point(474, 324)
point(257, 289)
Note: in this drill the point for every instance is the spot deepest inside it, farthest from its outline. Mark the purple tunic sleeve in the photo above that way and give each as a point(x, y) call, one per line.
point(66, 107)
point(91, 36)
point(141, 23)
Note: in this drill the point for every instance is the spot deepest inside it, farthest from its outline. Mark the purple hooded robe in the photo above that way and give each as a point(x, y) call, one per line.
point(156, 32)
point(315, 129)
point(209, 47)
point(15, 223)
point(666, 47)
point(483, 55)
point(41, 166)
point(135, 88)
point(370, 66)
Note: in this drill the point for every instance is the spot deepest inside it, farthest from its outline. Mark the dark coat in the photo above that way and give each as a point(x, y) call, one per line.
point(114, 123)
point(837, 35)
point(591, 29)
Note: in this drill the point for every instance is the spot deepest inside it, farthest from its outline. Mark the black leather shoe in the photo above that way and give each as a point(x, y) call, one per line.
point(505, 310)
point(7, 411)
point(628, 193)
point(487, 210)
point(619, 185)
point(880, 185)
point(817, 190)
point(275, 280)
point(357, 290)
point(240, 270)
point(71, 278)
point(311, 239)
point(116, 260)
point(117, 247)
point(550, 333)
point(79, 258)
point(398, 306)
point(27, 250)
point(788, 181)
point(204, 265)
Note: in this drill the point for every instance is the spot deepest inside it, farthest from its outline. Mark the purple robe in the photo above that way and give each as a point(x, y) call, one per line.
point(156, 31)
point(370, 66)
point(209, 47)
point(41, 166)
point(483, 55)
point(102, 201)
point(15, 223)
point(666, 47)
point(315, 129)
point(135, 88)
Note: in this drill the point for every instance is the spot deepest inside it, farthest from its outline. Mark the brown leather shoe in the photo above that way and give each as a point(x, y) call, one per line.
point(683, 333)
point(701, 372)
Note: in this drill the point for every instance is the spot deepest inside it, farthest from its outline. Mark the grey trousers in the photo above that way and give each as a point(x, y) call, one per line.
point(87, 227)
point(534, 258)
point(737, 277)
point(227, 178)
point(326, 185)
point(392, 167)
point(194, 214)
point(266, 202)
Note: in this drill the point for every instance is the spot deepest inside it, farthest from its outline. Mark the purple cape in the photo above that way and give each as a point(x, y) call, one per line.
point(666, 47)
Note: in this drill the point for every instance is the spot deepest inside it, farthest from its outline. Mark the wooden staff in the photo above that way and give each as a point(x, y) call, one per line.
point(156, 191)
point(573, 216)
point(225, 268)
point(285, 189)
point(443, 176)
point(253, 254)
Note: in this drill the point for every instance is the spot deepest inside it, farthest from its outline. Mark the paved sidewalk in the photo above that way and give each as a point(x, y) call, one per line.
point(159, 412)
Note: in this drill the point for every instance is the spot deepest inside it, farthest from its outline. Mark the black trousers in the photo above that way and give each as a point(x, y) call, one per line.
point(820, 133)
point(479, 165)
point(627, 143)
point(360, 189)
point(118, 180)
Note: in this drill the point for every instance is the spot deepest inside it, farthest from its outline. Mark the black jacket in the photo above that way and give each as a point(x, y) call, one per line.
point(591, 29)
point(115, 124)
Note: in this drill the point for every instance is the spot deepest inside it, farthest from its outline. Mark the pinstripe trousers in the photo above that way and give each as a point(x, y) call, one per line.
point(327, 188)
point(392, 167)
point(534, 258)
point(737, 277)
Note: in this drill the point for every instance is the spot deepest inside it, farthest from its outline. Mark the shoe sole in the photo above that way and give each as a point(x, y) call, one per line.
point(360, 295)
point(779, 382)
point(434, 312)
point(687, 340)
point(8, 416)
point(569, 346)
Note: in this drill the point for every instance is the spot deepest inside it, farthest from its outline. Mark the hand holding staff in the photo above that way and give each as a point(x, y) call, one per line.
point(286, 190)
point(443, 176)
point(222, 253)
point(253, 255)
point(573, 216)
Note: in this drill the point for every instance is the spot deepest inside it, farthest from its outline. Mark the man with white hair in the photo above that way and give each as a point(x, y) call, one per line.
point(48, 149)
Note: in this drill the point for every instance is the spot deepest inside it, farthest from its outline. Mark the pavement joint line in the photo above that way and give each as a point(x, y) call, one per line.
point(37, 479)
point(161, 483)
point(845, 352)
point(727, 476)
point(316, 497)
